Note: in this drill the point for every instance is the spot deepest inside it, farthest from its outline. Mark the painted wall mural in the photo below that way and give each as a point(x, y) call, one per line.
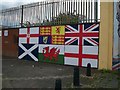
point(75, 45)
point(116, 46)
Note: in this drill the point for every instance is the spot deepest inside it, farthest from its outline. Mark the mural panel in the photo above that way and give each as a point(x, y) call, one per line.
point(75, 45)
point(116, 46)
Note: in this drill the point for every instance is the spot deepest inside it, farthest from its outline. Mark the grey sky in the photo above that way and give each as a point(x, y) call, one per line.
point(13, 3)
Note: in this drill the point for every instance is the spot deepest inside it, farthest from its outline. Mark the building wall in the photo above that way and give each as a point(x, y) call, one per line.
point(10, 43)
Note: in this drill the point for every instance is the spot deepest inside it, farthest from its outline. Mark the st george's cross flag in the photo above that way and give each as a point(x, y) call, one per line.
point(29, 35)
point(81, 44)
point(28, 51)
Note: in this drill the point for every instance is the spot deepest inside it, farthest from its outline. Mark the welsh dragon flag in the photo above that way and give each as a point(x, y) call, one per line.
point(51, 53)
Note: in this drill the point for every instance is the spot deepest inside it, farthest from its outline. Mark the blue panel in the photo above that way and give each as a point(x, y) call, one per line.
point(34, 52)
point(71, 28)
point(45, 40)
point(89, 26)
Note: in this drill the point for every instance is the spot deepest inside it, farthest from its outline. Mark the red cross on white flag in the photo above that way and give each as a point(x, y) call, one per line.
point(29, 35)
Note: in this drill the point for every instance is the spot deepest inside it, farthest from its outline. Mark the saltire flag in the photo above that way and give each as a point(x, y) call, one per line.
point(29, 35)
point(51, 53)
point(85, 52)
point(45, 39)
point(45, 30)
point(58, 39)
point(28, 51)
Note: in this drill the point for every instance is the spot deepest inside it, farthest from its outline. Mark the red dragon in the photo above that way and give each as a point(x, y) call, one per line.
point(51, 54)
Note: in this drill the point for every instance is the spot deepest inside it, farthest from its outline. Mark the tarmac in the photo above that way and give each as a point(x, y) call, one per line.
point(29, 74)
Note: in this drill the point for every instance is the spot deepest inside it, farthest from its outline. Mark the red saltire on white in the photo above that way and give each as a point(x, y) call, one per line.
point(29, 35)
point(83, 54)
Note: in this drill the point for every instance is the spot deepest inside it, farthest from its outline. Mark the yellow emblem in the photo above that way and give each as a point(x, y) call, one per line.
point(58, 30)
point(45, 39)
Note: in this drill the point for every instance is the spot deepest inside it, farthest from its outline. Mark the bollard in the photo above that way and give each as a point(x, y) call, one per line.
point(88, 71)
point(58, 84)
point(76, 76)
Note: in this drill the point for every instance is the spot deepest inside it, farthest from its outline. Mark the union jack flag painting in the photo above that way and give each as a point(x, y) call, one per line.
point(85, 40)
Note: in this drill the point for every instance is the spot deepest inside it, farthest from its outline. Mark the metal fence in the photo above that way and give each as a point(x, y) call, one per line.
point(51, 13)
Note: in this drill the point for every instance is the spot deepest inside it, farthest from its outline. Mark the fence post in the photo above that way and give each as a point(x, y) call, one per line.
point(76, 76)
point(88, 71)
point(58, 84)
point(22, 16)
point(96, 10)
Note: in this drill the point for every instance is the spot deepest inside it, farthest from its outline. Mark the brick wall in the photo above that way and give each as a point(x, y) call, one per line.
point(10, 43)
